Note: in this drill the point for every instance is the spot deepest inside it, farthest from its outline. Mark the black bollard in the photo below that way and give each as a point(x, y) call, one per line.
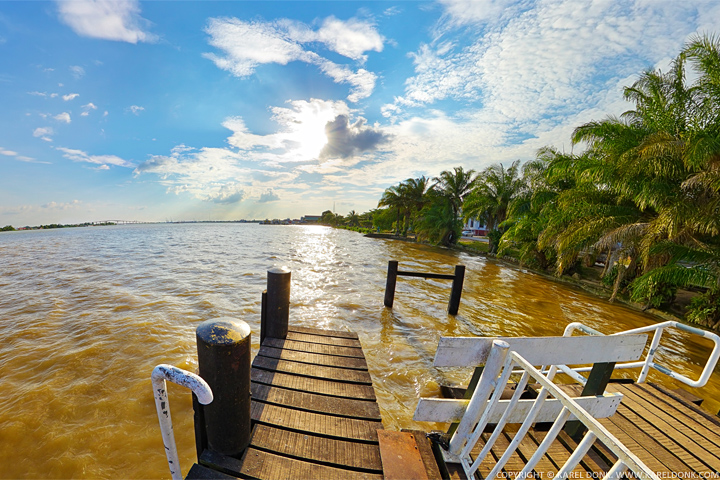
point(277, 309)
point(456, 292)
point(390, 284)
point(224, 363)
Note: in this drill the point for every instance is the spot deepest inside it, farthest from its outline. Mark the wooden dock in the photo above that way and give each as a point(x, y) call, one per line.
point(314, 414)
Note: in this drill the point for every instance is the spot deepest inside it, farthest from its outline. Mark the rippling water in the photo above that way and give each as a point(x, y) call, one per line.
point(85, 315)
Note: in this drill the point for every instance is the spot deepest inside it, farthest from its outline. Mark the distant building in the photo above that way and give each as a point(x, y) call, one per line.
point(310, 219)
point(477, 227)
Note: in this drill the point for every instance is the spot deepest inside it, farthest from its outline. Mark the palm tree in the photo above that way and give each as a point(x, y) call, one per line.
point(455, 186)
point(495, 188)
point(394, 197)
point(353, 219)
point(452, 187)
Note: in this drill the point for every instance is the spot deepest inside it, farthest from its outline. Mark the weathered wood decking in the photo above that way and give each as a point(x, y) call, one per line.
point(315, 416)
point(673, 437)
point(314, 413)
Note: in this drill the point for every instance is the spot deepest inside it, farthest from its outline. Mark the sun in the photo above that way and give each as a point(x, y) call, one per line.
point(310, 136)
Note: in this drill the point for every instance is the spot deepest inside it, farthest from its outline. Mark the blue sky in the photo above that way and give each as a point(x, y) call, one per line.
point(224, 110)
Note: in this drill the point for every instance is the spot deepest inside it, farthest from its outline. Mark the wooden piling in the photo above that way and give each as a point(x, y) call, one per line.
point(390, 284)
point(457, 278)
point(224, 363)
point(277, 308)
point(456, 292)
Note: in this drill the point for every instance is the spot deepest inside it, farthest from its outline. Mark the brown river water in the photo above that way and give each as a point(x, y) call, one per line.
point(86, 313)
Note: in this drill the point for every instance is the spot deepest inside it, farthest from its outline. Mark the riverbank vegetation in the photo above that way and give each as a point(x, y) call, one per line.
point(642, 196)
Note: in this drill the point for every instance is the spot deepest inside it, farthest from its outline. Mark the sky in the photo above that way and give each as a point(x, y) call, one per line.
point(203, 110)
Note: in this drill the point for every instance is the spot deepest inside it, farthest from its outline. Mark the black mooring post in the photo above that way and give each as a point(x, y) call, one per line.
point(456, 291)
point(224, 363)
point(278, 303)
point(390, 284)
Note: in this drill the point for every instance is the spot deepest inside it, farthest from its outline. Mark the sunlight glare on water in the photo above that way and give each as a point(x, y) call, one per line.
point(85, 315)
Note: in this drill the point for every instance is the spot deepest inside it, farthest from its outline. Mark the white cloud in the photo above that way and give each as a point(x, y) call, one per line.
point(43, 133)
point(135, 109)
point(464, 12)
point(80, 156)
point(61, 205)
point(38, 94)
point(350, 39)
point(117, 20)
point(9, 153)
point(76, 70)
point(246, 45)
point(268, 196)
point(63, 117)
point(226, 194)
point(89, 106)
point(70, 96)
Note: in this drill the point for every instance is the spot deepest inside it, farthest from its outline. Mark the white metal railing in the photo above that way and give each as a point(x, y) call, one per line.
point(202, 390)
point(649, 361)
point(500, 364)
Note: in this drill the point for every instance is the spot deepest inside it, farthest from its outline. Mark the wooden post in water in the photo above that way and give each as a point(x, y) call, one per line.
point(224, 363)
point(456, 292)
point(390, 284)
point(277, 304)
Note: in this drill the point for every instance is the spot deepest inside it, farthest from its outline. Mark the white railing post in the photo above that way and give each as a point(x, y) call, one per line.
point(651, 355)
point(488, 382)
point(181, 377)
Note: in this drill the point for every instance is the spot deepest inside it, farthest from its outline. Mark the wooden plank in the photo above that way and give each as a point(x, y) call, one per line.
point(446, 410)
point(558, 452)
point(267, 466)
point(636, 416)
point(313, 358)
point(340, 351)
point(400, 456)
point(323, 340)
point(425, 449)
point(473, 351)
point(527, 449)
point(641, 443)
point(705, 453)
point(337, 427)
point(327, 451)
point(315, 371)
point(323, 332)
point(699, 420)
point(345, 407)
point(590, 462)
point(313, 385)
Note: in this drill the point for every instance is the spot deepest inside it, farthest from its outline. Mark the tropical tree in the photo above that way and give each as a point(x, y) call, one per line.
point(394, 198)
point(455, 186)
point(495, 187)
point(438, 222)
point(441, 215)
point(353, 219)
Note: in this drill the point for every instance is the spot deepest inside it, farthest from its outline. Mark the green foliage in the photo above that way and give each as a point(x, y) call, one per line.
point(7, 228)
point(438, 222)
point(482, 247)
point(654, 294)
point(494, 237)
point(704, 310)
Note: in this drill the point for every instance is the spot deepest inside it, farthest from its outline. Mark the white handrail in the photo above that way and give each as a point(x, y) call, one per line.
point(162, 404)
point(500, 363)
point(649, 359)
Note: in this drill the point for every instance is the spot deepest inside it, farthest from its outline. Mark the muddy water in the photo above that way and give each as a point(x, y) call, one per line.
point(85, 315)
